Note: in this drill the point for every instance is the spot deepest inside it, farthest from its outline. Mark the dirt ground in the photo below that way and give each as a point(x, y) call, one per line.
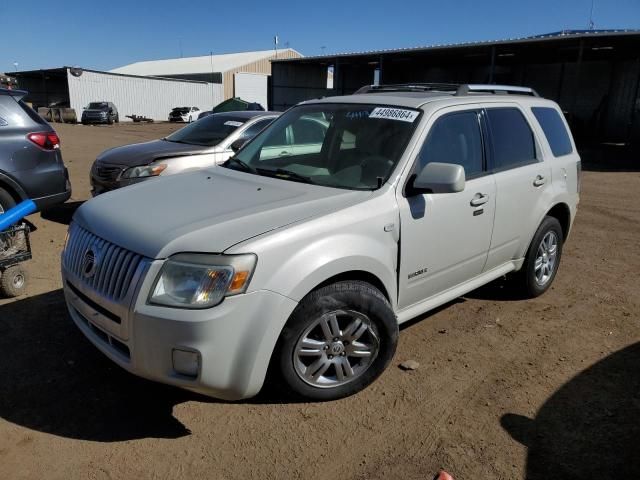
point(506, 388)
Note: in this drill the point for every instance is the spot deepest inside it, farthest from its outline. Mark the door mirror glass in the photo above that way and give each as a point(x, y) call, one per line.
point(438, 178)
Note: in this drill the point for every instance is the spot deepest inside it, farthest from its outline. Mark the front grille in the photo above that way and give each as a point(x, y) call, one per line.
point(109, 173)
point(101, 265)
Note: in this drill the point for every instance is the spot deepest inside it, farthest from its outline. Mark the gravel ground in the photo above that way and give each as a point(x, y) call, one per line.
point(505, 388)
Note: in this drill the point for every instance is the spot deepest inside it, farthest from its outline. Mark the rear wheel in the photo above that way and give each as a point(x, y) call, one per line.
point(543, 258)
point(338, 340)
point(13, 282)
point(6, 201)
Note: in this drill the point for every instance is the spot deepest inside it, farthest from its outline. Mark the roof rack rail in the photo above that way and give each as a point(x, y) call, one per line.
point(466, 89)
point(410, 87)
point(456, 88)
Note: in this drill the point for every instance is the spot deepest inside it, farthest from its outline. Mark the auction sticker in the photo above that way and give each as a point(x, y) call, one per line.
point(233, 123)
point(394, 114)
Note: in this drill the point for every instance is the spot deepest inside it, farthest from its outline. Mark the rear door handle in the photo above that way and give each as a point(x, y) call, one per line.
point(539, 181)
point(479, 199)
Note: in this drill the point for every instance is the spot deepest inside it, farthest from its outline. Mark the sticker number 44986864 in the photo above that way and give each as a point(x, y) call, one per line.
point(394, 114)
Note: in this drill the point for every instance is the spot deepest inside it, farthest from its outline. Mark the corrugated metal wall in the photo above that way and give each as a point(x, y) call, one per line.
point(150, 97)
point(261, 66)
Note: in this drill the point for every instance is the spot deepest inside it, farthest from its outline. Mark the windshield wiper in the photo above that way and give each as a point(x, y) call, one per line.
point(281, 172)
point(245, 166)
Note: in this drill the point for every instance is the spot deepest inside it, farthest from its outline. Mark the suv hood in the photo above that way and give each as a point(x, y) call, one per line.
point(205, 211)
point(147, 152)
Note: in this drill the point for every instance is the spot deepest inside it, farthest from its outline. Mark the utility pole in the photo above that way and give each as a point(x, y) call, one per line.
point(213, 85)
point(592, 25)
point(275, 42)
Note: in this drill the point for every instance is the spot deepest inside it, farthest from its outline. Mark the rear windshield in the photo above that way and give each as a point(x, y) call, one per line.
point(11, 113)
point(554, 129)
point(208, 131)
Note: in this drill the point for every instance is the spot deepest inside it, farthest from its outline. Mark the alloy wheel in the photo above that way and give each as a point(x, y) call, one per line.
point(336, 349)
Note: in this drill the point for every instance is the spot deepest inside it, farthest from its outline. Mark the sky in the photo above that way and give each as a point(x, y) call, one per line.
point(107, 34)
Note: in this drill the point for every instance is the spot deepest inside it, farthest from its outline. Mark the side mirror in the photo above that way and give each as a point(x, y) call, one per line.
point(438, 178)
point(237, 145)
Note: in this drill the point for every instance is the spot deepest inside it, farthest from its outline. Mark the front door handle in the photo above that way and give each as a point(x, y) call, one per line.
point(479, 199)
point(539, 181)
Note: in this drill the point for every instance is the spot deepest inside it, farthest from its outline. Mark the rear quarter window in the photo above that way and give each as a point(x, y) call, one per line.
point(14, 113)
point(554, 129)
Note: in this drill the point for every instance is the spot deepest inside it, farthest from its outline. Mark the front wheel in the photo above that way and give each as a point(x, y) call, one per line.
point(338, 340)
point(543, 258)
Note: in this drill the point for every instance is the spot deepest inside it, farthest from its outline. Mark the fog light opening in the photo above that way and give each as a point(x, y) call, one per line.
point(186, 362)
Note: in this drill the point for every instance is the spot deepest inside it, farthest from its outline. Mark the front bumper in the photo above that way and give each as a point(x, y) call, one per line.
point(96, 119)
point(234, 340)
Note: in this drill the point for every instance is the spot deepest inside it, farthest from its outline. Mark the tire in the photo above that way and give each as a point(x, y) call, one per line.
point(118, 118)
point(6, 200)
point(13, 282)
point(542, 261)
point(109, 120)
point(364, 317)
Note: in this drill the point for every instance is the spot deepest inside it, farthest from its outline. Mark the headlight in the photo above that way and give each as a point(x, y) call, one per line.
point(192, 280)
point(152, 170)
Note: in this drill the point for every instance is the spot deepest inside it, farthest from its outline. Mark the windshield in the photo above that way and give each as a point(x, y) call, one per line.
point(180, 109)
point(209, 131)
point(351, 146)
point(97, 106)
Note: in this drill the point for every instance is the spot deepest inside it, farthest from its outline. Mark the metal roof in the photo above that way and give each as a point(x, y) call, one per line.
point(564, 34)
point(62, 71)
point(202, 64)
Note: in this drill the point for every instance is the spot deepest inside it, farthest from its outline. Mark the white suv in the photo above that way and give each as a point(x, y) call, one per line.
point(302, 253)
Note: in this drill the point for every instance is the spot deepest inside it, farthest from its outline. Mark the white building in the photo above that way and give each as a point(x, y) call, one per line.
point(243, 75)
point(149, 97)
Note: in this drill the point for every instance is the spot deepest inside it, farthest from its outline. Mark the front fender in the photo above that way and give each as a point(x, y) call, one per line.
point(303, 267)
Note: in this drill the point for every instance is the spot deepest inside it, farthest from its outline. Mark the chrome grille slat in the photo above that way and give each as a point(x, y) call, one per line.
point(135, 262)
point(126, 261)
point(104, 270)
point(115, 269)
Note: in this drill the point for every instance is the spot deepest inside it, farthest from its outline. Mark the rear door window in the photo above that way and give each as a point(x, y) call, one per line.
point(554, 129)
point(455, 138)
point(512, 142)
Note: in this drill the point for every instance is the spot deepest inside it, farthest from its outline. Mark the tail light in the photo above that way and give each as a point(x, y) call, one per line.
point(45, 140)
point(579, 168)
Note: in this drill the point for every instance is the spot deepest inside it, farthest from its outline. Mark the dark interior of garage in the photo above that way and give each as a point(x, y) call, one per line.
point(593, 75)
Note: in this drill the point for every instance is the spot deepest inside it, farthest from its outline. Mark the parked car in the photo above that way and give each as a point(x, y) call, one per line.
point(235, 104)
point(304, 256)
point(201, 144)
point(100, 112)
point(31, 165)
point(184, 114)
